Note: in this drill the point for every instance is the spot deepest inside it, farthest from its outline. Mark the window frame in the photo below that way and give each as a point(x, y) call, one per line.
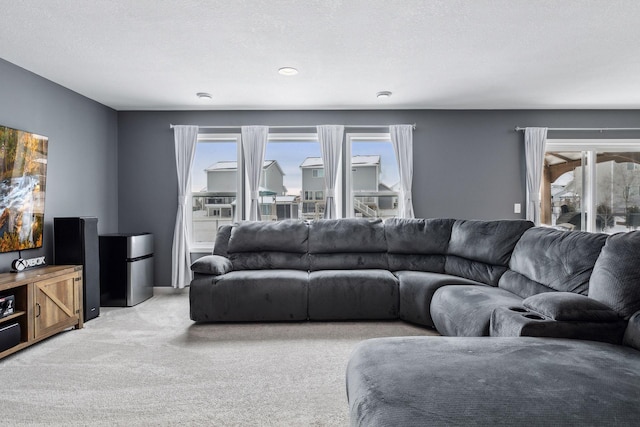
point(213, 138)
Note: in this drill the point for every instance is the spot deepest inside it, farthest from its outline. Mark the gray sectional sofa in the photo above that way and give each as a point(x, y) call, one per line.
point(461, 277)
point(555, 304)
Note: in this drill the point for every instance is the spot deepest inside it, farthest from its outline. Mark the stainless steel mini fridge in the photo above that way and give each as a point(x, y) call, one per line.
point(126, 269)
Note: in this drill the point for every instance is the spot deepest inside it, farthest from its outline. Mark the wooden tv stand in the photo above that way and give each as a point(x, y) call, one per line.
point(48, 300)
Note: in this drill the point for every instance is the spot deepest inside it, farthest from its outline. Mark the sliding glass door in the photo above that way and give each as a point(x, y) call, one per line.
point(591, 185)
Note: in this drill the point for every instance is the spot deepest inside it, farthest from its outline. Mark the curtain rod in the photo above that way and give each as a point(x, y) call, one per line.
point(296, 127)
point(518, 128)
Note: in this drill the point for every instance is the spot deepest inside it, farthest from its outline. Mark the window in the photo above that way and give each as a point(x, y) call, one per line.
point(591, 185)
point(292, 181)
point(374, 178)
point(214, 183)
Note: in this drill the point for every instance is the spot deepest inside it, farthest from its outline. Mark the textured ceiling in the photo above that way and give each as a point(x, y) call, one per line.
point(453, 54)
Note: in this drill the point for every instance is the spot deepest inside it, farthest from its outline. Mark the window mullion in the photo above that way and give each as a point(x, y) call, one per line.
point(590, 189)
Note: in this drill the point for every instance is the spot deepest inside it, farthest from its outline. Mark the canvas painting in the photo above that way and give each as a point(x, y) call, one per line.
point(23, 171)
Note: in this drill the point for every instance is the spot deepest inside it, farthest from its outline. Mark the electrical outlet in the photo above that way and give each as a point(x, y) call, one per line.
point(516, 208)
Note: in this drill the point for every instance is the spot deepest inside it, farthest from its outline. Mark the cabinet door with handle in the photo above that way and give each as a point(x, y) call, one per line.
point(56, 304)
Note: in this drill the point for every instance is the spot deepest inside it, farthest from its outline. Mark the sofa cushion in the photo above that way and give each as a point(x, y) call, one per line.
point(474, 270)
point(418, 236)
point(441, 381)
point(250, 296)
point(269, 245)
point(558, 260)
point(352, 294)
point(465, 310)
point(490, 242)
point(480, 250)
point(279, 236)
point(343, 244)
point(570, 306)
point(331, 236)
point(416, 292)
point(616, 275)
point(417, 244)
point(521, 285)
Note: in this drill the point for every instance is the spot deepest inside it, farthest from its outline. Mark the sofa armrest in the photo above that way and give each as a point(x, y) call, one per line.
point(568, 306)
point(518, 322)
point(212, 264)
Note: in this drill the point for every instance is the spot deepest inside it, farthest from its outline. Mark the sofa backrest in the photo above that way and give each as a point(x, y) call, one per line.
point(347, 244)
point(417, 244)
point(269, 245)
point(615, 280)
point(481, 250)
point(547, 260)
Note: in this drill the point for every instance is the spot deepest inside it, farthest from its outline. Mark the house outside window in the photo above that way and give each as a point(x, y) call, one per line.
point(590, 185)
point(374, 180)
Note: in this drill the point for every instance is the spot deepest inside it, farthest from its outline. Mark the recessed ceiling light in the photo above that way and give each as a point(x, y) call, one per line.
point(204, 95)
point(287, 71)
point(384, 94)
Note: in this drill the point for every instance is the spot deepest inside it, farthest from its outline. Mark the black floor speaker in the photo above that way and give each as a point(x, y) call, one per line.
point(76, 242)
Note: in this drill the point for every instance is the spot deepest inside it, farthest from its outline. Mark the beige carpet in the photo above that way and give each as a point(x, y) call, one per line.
point(150, 365)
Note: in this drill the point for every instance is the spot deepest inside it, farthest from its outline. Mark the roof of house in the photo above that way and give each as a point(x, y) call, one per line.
point(373, 160)
point(231, 165)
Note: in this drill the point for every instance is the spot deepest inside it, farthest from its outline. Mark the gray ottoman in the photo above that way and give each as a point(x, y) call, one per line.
point(438, 381)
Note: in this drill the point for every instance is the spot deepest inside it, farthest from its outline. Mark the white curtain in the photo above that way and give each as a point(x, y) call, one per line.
point(402, 139)
point(254, 144)
point(186, 138)
point(330, 137)
point(535, 140)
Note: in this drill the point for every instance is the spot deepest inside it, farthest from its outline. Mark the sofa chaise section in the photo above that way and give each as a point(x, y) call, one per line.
point(604, 292)
point(543, 260)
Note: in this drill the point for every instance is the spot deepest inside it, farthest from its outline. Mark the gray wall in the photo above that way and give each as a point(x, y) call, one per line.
point(82, 162)
point(468, 164)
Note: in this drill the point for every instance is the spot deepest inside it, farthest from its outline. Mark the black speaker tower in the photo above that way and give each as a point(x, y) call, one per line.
point(76, 242)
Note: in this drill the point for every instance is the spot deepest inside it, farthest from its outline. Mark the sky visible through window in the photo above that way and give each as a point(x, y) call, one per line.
point(290, 156)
